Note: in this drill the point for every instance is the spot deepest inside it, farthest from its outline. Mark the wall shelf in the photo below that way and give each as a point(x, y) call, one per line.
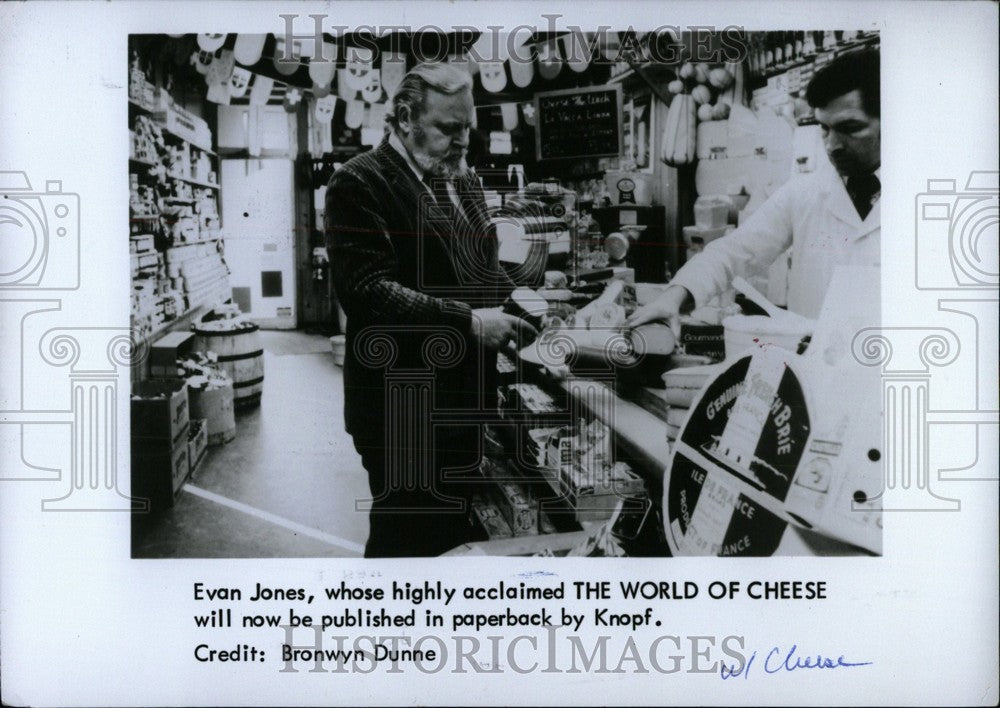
point(151, 172)
point(170, 175)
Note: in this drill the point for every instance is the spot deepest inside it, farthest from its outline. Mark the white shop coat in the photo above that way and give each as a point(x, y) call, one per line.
point(814, 216)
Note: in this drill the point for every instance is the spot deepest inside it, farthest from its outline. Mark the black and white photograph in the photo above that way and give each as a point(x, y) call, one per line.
point(588, 338)
point(499, 353)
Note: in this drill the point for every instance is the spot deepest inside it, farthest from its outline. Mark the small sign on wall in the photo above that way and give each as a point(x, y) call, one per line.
point(579, 123)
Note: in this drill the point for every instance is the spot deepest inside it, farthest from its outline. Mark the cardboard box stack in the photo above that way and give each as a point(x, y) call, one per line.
point(160, 430)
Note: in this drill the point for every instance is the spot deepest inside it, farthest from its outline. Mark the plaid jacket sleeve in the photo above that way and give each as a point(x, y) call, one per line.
point(364, 263)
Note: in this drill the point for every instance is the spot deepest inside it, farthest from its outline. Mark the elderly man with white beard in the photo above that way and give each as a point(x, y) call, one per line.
point(415, 266)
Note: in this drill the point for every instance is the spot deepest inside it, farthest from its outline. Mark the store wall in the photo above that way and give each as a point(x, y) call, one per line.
point(258, 228)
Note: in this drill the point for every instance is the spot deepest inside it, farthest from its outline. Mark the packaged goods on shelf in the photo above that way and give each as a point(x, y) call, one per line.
point(144, 296)
point(594, 493)
point(148, 140)
point(587, 444)
point(487, 520)
point(178, 161)
point(143, 207)
point(145, 265)
point(184, 125)
point(201, 167)
point(705, 339)
point(513, 500)
point(177, 256)
point(185, 230)
point(528, 401)
point(141, 243)
point(173, 304)
point(141, 325)
point(206, 279)
point(140, 89)
point(537, 443)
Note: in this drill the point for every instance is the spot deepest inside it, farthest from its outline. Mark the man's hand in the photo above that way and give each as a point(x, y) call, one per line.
point(494, 328)
point(667, 307)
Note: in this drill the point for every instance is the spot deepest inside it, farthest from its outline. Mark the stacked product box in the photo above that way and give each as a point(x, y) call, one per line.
point(486, 520)
point(161, 460)
point(596, 493)
point(580, 469)
point(166, 351)
point(511, 498)
point(206, 280)
point(194, 258)
point(140, 89)
point(184, 124)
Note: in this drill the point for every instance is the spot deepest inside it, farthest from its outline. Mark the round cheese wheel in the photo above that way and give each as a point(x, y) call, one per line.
point(653, 339)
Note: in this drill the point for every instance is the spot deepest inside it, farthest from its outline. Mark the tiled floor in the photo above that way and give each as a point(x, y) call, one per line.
point(287, 485)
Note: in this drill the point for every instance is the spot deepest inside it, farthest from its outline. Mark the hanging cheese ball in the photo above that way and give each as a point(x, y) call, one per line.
point(701, 94)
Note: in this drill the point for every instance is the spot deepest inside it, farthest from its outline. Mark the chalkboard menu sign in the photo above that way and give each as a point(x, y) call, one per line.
point(584, 122)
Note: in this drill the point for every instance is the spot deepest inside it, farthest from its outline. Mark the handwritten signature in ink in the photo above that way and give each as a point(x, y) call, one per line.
point(778, 661)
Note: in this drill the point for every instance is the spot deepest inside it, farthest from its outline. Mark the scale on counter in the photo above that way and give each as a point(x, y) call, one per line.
point(776, 440)
point(626, 190)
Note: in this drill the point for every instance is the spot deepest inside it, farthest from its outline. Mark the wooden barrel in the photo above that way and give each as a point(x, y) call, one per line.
point(215, 405)
point(240, 354)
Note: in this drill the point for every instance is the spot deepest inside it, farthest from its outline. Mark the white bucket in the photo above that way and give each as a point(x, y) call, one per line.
point(338, 345)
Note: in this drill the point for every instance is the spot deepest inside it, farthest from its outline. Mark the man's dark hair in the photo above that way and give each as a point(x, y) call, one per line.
point(858, 69)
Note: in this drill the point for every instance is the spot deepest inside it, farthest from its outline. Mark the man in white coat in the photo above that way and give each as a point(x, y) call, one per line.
point(829, 218)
